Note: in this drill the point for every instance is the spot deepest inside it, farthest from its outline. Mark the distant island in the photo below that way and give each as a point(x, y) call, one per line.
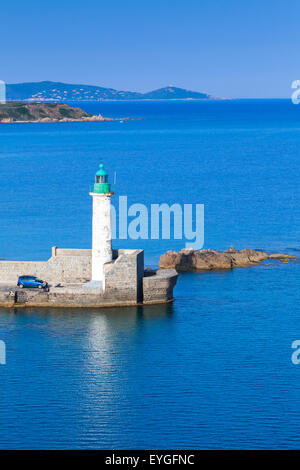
point(46, 112)
point(56, 91)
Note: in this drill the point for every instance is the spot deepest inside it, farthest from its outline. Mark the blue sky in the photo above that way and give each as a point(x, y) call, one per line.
point(232, 48)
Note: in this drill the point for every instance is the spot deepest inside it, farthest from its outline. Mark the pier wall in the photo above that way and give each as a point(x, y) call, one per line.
point(158, 287)
point(124, 276)
point(64, 266)
point(68, 271)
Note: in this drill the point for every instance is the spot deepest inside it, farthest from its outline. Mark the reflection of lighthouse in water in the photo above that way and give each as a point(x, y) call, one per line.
point(2, 92)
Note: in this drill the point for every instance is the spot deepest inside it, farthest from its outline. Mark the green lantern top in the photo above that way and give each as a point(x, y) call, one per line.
point(101, 171)
point(101, 186)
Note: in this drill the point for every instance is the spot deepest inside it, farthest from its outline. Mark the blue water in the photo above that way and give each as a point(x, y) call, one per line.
point(214, 369)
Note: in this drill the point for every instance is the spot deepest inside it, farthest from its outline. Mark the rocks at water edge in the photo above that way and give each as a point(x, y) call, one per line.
point(207, 260)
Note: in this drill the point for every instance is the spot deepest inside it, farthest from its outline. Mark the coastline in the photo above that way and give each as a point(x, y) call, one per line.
point(39, 112)
point(48, 120)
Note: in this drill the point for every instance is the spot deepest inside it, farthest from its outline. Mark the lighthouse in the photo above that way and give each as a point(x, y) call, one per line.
point(101, 246)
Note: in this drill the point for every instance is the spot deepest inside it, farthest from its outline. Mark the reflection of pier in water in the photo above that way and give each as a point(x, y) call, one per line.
point(98, 326)
point(104, 338)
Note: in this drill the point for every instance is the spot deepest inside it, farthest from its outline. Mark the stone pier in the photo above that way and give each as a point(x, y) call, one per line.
point(68, 273)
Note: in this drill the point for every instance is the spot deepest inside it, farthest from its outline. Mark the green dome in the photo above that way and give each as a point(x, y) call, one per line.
point(101, 171)
point(101, 185)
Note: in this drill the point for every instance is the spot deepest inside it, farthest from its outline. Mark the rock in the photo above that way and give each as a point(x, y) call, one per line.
point(247, 257)
point(207, 260)
point(281, 256)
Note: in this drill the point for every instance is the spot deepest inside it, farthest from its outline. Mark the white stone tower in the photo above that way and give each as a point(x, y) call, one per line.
point(101, 247)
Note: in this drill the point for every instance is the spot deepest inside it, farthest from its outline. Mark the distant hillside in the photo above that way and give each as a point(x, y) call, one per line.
point(173, 93)
point(55, 91)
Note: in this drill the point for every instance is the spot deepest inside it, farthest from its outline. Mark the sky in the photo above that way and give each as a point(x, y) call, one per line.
point(227, 48)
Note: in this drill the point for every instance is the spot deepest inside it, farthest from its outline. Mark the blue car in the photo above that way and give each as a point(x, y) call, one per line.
point(31, 281)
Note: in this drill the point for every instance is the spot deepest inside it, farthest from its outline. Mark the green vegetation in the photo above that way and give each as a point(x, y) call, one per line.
point(42, 112)
point(23, 111)
point(65, 112)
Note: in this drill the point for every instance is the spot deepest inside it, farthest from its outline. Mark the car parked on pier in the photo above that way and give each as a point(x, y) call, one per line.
point(31, 281)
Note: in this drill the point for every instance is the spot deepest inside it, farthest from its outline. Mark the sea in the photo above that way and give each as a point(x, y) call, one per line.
point(214, 369)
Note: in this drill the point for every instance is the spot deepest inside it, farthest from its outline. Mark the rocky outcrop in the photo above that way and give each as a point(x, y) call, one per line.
point(207, 260)
point(281, 256)
point(46, 112)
